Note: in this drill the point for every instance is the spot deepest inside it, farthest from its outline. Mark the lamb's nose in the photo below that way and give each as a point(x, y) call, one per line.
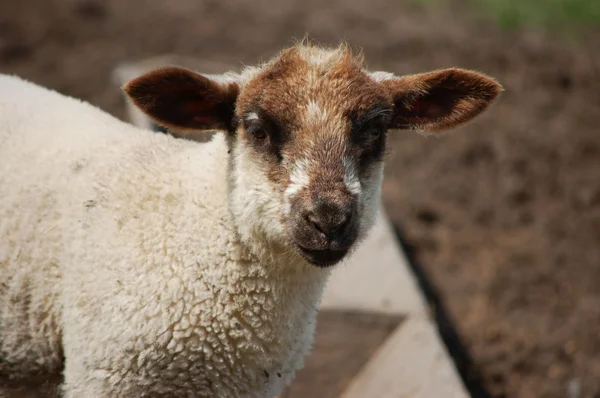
point(330, 221)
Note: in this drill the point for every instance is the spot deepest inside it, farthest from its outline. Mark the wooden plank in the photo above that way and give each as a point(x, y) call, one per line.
point(412, 363)
point(376, 278)
point(344, 342)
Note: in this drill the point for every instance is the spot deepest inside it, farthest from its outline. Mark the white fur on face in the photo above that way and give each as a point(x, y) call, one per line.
point(247, 74)
point(368, 200)
point(253, 199)
point(351, 179)
point(224, 78)
point(299, 180)
point(380, 76)
point(314, 113)
point(252, 116)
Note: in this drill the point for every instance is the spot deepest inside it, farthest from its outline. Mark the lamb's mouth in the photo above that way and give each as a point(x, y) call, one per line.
point(322, 258)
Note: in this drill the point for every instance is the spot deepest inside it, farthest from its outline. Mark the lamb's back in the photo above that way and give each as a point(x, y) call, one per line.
point(41, 146)
point(87, 196)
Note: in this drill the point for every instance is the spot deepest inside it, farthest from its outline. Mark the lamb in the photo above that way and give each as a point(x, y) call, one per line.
point(136, 264)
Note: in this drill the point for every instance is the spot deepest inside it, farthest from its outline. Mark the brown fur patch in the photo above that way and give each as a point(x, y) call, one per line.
point(334, 85)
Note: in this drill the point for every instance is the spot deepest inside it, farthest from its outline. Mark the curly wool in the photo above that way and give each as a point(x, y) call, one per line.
point(118, 252)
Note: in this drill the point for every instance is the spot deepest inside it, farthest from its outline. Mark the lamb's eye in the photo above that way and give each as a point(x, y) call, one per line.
point(257, 132)
point(369, 131)
point(375, 133)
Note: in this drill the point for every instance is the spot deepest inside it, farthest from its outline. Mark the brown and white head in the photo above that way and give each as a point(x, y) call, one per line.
point(307, 135)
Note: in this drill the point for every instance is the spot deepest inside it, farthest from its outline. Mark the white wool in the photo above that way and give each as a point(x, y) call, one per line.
point(351, 178)
point(315, 113)
point(117, 249)
point(380, 76)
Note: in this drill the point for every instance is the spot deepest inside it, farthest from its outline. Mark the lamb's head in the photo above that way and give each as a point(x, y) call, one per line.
point(307, 134)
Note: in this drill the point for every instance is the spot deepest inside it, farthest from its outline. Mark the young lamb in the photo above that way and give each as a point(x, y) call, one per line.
point(135, 264)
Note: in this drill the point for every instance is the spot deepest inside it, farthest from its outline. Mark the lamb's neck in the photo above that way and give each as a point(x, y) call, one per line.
point(280, 301)
point(286, 270)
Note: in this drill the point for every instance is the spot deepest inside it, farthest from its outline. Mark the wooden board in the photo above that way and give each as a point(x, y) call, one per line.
point(344, 342)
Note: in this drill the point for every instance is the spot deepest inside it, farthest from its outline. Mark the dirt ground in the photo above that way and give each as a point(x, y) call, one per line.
point(504, 213)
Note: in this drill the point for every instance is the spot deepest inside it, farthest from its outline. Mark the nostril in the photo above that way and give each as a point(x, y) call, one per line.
point(312, 219)
point(329, 227)
point(342, 226)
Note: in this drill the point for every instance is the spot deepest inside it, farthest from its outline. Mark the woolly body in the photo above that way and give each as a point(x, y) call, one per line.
point(105, 257)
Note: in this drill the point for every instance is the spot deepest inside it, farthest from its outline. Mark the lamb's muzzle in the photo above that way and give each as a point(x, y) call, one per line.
point(325, 224)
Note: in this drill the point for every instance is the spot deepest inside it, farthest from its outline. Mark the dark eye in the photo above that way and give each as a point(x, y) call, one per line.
point(375, 133)
point(259, 134)
point(257, 131)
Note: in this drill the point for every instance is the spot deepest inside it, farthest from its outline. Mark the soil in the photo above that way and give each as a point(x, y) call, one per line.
point(504, 213)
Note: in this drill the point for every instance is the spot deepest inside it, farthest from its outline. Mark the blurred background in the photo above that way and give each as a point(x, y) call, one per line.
point(503, 214)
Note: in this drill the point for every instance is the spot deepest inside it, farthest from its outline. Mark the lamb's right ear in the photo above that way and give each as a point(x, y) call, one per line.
point(181, 99)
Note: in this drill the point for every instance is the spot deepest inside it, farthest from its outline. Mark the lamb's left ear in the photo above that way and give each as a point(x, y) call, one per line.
point(185, 100)
point(438, 100)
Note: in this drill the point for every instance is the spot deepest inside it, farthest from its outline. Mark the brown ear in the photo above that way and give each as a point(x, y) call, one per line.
point(441, 99)
point(184, 100)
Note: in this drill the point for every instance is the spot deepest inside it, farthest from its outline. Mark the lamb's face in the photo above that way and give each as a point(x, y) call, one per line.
point(307, 133)
point(308, 152)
